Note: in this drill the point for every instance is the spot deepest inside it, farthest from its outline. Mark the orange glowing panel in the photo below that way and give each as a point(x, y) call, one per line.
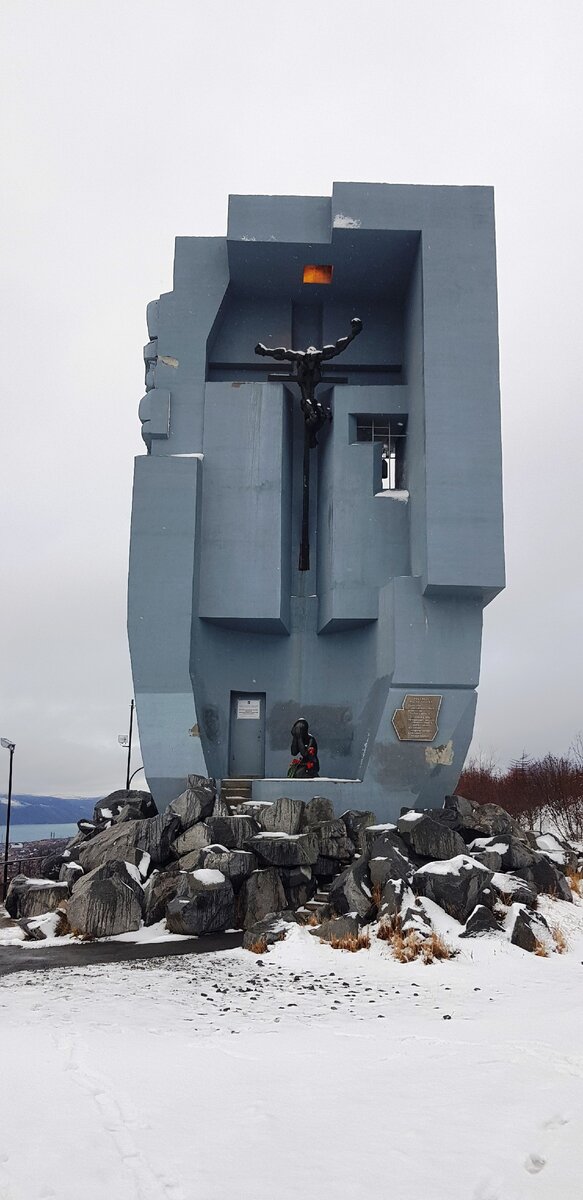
point(318, 274)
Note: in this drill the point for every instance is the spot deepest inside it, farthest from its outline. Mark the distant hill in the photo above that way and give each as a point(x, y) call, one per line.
point(46, 810)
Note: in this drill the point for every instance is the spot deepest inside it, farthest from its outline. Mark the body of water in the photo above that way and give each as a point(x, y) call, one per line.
point(34, 833)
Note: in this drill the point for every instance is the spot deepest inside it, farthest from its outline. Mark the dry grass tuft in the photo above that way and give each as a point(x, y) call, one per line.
point(377, 895)
point(540, 949)
point(561, 944)
point(62, 927)
point(408, 947)
point(575, 880)
point(313, 920)
point(388, 927)
point(351, 941)
point(258, 947)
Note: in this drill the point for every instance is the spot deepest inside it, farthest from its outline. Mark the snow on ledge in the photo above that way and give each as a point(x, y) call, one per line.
point(394, 494)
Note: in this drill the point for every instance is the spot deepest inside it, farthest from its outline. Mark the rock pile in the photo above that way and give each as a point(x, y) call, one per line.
point(204, 868)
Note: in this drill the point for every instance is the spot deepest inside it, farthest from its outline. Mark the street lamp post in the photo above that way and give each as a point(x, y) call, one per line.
point(126, 740)
point(7, 745)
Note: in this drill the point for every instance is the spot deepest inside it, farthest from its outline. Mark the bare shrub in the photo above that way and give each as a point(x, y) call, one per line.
point(62, 928)
point(575, 880)
point(350, 941)
point(548, 790)
point(407, 947)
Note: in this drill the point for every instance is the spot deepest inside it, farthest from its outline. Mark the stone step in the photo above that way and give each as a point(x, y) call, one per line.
point(236, 790)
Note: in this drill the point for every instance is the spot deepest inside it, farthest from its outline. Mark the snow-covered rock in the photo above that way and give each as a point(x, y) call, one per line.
point(285, 850)
point(455, 884)
point(273, 929)
point(429, 838)
point(31, 897)
point(356, 822)
point(351, 891)
point(481, 921)
point(204, 903)
point(154, 835)
point(233, 832)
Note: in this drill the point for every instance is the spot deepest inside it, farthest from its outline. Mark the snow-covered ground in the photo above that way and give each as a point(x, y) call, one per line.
point(310, 1072)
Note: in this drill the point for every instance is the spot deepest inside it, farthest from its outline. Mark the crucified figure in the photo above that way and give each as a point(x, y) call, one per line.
point(308, 375)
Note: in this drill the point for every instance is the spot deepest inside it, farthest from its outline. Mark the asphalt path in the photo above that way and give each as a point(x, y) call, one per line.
point(83, 954)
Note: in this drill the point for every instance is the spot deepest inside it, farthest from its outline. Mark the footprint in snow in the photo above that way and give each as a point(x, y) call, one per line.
point(534, 1163)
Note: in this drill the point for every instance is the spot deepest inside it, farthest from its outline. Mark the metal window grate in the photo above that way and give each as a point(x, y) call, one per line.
point(392, 433)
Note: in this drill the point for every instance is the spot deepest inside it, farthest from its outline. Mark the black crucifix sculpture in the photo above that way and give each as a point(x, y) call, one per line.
point(308, 375)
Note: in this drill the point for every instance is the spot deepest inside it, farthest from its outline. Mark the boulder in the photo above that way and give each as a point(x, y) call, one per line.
point(261, 893)
point(509, 889)
point(395, 892)
point(391, 865)
point(233, 832)
point(158, 891)
point(299, 885)
point(481, 921)
point(376, 836)
point(195, 804)
point(350, 892)
point(200, 781)
point(236, 865)
point(333, 841)
point(558, 851)
point(285, 850)
point(488, 858)
point(415, 918)
point(283, 816)
point(69, 873)
point(141, 804)
point(220, 807)
point(204, 903)
point(104, 904)
point(356, 822)
point(512, 853)
point(454, 884)
point(543, 875)
point(31, 897)
point(479, 820)
point(273, 929)
point(316, 811)
point(348, 925)
point(429, 838)
point(153, 835)
point(525, 928)
point(126, 872)
point(51, 865)
point(194, 839)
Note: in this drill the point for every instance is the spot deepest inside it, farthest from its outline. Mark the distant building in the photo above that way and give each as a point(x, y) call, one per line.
point(378, 643)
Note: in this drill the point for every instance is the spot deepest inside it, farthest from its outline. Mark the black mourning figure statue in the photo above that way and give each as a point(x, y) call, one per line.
point(304, 748)
point(308, 374)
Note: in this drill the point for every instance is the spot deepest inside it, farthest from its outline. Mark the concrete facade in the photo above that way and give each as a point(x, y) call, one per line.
point(229, 641)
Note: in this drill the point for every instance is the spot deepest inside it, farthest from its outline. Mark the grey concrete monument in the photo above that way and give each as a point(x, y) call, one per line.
point(376, 641)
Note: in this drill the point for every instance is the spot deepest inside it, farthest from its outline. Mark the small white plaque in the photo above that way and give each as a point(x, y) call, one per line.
point(248, 710)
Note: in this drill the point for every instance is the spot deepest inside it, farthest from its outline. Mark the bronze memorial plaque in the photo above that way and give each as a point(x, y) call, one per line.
point(416, 721)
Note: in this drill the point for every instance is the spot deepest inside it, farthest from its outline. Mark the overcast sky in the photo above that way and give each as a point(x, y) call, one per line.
point(127, 122)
